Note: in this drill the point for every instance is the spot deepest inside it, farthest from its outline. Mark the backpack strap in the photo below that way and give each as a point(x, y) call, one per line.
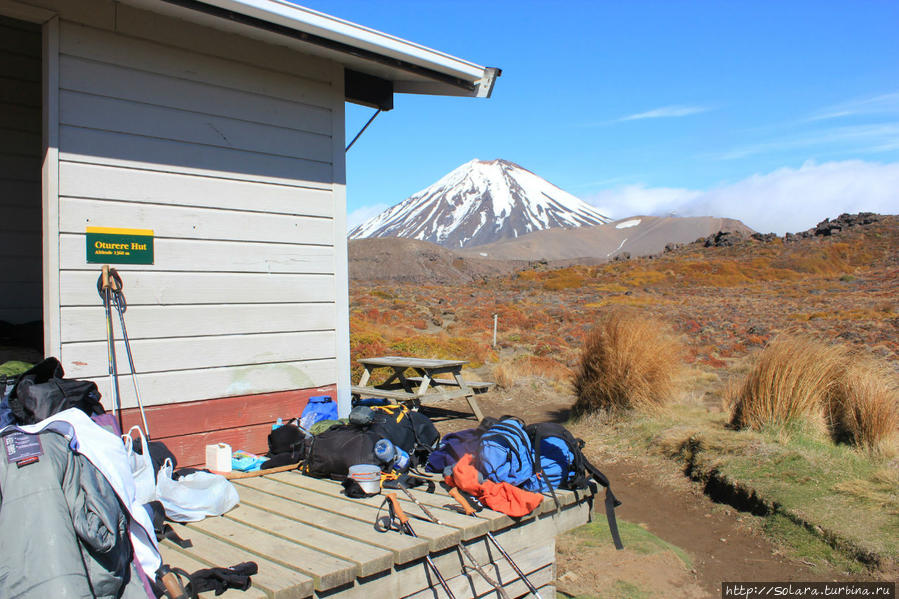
point(538, 432)
point(611, 502)
point(582, 468)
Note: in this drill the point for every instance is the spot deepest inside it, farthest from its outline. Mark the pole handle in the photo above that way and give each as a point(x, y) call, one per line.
point(397, 509)
point(104, 277)
point(173, 587)
point(115, 281)
point(454, 492)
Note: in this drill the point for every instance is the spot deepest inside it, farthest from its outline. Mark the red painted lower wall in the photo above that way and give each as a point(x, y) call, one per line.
point(242, 422)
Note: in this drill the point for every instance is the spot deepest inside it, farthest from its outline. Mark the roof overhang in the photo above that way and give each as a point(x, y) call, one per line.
point(408, 67)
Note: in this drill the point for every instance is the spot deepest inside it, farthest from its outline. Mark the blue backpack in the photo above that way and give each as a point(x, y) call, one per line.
point(560, 462)
point(554, 464)
point(319, 407)
point(505, 454)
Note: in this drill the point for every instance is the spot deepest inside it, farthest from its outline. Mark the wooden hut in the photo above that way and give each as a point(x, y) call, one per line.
point(198, 146)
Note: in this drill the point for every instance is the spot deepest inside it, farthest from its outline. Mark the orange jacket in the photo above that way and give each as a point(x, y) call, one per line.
point(500, 497)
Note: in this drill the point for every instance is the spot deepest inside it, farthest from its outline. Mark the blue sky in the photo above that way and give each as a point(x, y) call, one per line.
point(777, 113)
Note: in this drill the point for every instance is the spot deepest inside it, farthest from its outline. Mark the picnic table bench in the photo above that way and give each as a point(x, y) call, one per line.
point(427, 385)
point(310, 540)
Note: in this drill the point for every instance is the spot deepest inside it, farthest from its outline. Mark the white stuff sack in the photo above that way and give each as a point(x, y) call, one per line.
point(141, 467)
point(195, 496)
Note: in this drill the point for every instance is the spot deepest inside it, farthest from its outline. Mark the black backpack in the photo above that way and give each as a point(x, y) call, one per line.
point(411, 430)
point(42, 392)
point(578, 471)
point(332, 452)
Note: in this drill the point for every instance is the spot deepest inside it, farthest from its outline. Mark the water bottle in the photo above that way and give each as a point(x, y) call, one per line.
point(388, 453)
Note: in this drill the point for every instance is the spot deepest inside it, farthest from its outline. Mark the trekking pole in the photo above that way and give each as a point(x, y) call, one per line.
point(404, 522)
point(477, 567)
point(466, 507)
point(116, 286)
point(106, 293)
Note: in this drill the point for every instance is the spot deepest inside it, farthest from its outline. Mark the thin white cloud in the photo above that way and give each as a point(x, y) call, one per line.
point(856, 138)
point(635, 200)
point(787, 199)
point(362, 214)
point(880, 104)
point(666, 112)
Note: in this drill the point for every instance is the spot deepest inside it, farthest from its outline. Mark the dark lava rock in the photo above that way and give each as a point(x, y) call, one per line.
point(845, 221)
point(723, 239)
point(764, 237)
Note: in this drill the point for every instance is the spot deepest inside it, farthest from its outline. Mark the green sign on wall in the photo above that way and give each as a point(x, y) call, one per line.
point(119, 246)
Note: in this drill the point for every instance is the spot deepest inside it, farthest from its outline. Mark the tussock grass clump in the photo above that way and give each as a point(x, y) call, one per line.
point(791, 378)
point(799, 382)
point(863, 410)
point(628, 362)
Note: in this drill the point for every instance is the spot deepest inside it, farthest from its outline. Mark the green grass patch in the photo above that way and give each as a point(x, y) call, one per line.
point(620, 590)
point(633, 536)
point(843, 498)
point(805, 545)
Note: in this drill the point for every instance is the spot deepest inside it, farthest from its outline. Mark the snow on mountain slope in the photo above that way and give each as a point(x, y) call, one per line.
point(481, 202)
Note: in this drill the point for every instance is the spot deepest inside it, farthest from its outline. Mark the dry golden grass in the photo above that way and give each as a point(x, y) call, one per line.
point(864, 409)
point(628, 362)
point(790, 382)
point(800, 381)
point(507, 373)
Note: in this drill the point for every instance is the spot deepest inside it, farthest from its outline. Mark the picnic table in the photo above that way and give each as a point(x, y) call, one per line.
point(425, 385)
point(309, 539)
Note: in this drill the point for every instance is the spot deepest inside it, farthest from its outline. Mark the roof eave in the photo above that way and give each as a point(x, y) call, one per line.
point(413, 68)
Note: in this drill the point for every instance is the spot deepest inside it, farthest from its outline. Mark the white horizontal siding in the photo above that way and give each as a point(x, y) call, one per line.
point(79, 288)
point(181, 222)
point(105, 79)
point(160, 322)
point(91, 111)
point(225, 381)
point(96, 146)
point(178, 63)
point(190, 255)
point(202, 190)
point(230, 162)
point(158, 355)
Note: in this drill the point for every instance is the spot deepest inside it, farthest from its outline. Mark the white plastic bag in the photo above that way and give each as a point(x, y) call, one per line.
point(141, 467)
point(195, 496)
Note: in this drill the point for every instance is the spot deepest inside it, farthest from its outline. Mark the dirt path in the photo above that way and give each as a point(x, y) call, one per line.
point(722, 543)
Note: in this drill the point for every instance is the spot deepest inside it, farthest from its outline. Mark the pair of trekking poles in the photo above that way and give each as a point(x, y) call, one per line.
point(396, 513)
point(109, 286)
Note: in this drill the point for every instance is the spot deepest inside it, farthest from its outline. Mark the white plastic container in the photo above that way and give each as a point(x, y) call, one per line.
point(218, 457)
point(368, 476)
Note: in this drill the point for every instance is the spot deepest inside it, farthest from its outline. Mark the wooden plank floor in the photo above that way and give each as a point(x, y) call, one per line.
point(310, 540)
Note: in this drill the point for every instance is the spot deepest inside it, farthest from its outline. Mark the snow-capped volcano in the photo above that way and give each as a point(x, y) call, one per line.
point(481, 202)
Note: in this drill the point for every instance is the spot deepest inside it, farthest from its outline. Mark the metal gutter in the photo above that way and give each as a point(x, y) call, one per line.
point(313, 27)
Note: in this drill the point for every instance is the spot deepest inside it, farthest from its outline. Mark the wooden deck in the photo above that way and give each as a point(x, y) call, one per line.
point(310, 540)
